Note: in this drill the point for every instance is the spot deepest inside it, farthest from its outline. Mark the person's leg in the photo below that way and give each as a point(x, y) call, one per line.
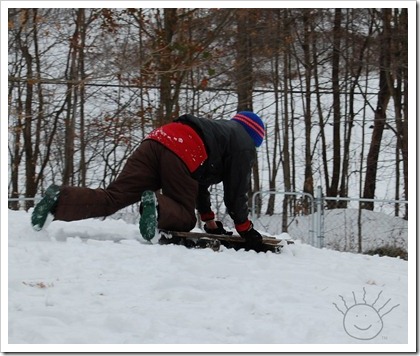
point(139, 173)
point(176, 202)
point(151, 167)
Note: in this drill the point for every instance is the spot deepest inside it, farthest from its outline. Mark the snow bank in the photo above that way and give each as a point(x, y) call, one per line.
point(342, 228)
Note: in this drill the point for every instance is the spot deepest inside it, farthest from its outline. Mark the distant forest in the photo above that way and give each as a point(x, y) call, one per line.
point(85, 85)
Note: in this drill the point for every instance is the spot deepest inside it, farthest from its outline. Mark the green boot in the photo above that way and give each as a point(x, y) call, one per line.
point(148, 215)
point(45, 207)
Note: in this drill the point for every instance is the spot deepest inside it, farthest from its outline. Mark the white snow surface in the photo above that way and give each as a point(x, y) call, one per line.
point(91, 285)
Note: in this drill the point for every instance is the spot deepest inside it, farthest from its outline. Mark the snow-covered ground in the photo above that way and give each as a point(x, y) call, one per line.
point(92, 286)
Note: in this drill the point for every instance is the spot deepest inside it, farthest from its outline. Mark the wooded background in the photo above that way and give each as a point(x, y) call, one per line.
point(86, 85)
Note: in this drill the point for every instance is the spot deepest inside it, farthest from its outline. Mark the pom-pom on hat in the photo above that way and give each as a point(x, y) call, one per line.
point(252, 124)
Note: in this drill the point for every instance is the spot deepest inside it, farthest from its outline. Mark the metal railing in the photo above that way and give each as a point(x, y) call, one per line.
point(310, 206)
point(350, 229)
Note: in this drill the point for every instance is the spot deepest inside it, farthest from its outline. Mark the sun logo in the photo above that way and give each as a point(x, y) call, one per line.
point(363, 321)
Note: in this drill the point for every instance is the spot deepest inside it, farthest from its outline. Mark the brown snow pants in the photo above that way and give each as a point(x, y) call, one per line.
point(151, 167)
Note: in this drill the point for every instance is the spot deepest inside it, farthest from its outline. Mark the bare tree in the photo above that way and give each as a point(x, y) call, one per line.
point(308, 37)
point(399, 93)
point(287, 121)
point(356, 49)
point(244, 79)
point(274, 165)
point(335, 64)
point(83, 95)
point(380, 112)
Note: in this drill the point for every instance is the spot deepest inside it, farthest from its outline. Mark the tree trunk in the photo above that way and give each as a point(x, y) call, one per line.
point(404, 124)
point(333, 189)
point(30, 160)
point(165, 113)
point(286, 119)
point(81, 19)
point(380, 112)
point(243, 68)
point(16, 155)
point(307, 37)
point(355, 76)
point(72, 101)
point(244, 84)
point(400, 97)
point(276, 160)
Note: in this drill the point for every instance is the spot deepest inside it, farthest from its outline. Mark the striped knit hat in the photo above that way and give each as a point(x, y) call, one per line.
point(252, 124)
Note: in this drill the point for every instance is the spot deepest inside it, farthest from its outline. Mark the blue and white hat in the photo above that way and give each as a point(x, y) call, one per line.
point(252, 124)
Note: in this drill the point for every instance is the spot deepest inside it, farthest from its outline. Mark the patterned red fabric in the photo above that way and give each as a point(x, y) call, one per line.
point(183, 141)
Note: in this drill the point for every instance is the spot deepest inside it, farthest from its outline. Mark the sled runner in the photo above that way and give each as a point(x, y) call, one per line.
point(206, 240)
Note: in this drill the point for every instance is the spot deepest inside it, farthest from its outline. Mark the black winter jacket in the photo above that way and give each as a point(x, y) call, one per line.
point(231, 154)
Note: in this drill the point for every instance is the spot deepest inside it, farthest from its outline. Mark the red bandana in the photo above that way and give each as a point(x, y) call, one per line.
point(182, 140)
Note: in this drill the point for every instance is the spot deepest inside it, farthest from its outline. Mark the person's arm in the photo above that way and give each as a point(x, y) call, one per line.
point(207, 216)
point(236, 184)
point(203, 203)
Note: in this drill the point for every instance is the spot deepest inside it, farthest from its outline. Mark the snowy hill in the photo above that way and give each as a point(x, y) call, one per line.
point(92, 282)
